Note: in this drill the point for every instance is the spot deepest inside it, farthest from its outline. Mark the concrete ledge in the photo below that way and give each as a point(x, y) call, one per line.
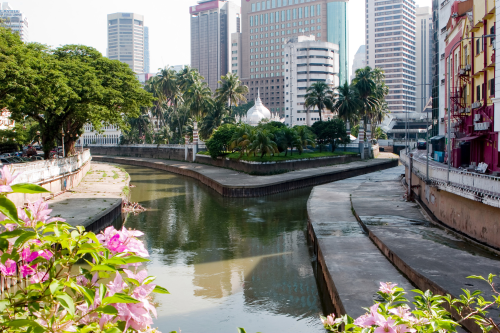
point(230, 183)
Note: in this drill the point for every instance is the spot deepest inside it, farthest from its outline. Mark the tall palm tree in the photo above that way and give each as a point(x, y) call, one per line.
point(288, 138)
point(198, 96)
point(242, 138)
point(217, 115)
point(231, 90)
point(318, 95)
point(263, 143)
point(365, 83)
point(347, 103)
point(187, 77)
point(305, 136)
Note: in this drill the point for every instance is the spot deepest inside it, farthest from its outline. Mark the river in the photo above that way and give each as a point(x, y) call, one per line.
point(227, 263)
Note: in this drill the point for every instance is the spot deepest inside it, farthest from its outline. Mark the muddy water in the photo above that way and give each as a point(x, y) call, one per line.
point(228, 263)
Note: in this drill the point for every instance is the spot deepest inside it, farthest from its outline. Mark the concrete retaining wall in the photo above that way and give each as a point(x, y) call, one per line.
point(168, 153)
point(273, 167)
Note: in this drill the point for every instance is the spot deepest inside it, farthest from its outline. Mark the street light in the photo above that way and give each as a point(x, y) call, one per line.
point(449, 99)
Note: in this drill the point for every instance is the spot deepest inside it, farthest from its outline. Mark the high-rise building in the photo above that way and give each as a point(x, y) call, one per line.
point(359, 60)
point(236, 53)
point(126, 39)
point(423, 49)
point(266, 25)
point(146, 50)
point(212, 24)
point(308, 61)
point(390, 45)
point(14, 20)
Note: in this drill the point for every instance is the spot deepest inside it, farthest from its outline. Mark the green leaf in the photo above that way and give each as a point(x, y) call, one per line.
point(3, 305)
point(67, 303)
point(108, 309)
point(28, 188)
point(476, 277)
point(24, 237)
point(106, 268)
point(119, 298)
point(12, 234)
point(8, 209)
point(113, 330)
point(4, 245)
point(21, 323)
point(54, 286)
point(133, 281)
point(135, 259)
point(241, 330)
point(149, 279)
point(160, 290)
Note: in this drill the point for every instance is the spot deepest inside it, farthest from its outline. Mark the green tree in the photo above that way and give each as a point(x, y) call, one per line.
point(199, 96)
point(347, 103)
point(319, 95)
point(379, 134)
point(264, 143)
point(220, 140)
point(287, 138)
point(331, 132)
point(242, 110)
point(305, 135)
point(242, 138)
point(218, 114)
point(231, 90)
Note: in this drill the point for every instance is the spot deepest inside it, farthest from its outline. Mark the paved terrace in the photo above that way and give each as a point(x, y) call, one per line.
point(96, 201)
point(429, 256)
point(231, 183)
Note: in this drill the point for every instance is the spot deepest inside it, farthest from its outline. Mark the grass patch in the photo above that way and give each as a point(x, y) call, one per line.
point(104, 175)
point(126, 191)
point(115, 175)
point(282, 157)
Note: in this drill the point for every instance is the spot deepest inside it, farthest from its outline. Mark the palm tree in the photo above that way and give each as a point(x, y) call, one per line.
point(231, 90)
point(288, 138)
point(305, 136)
point(347, 103)
point(198, 96)
point(318, 95)
point(242, 138)
point(365, 84)
point(264, 144)
point(217, 115)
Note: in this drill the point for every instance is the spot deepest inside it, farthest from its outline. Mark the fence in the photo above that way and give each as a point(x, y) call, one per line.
point(41, 171)
point(472, 181)
point(201, 145)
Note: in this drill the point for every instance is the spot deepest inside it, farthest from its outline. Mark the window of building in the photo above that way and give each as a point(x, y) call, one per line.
point(478, 93)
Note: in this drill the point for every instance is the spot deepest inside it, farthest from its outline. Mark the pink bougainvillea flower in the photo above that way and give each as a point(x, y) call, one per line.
point(404, 329)
point(140, 277)
point(123, 240)
point(27, 270)
point(6, 180)
point(10, 226)
point(402, 312)
point(39, 277)
point(370, 319)
point(117, 285)
point(45, 254)
point(387, 287)
point(9, 268)
point(115, 244)
point(386, 326)
point(83, 281)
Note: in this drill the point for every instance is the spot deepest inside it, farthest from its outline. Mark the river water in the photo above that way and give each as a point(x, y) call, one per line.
point(227, 263)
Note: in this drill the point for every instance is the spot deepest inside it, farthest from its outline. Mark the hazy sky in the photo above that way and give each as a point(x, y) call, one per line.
point(59, 22)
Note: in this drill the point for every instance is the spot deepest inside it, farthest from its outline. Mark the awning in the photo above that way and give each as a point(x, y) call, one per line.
point(468, 138)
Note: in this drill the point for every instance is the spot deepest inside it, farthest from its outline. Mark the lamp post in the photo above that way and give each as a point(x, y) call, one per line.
point(449, 99)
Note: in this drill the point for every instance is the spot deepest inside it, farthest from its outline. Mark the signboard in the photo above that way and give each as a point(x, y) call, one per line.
point(204, 6)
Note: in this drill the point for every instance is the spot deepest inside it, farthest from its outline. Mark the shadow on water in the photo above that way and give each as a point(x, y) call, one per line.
point(227, 262)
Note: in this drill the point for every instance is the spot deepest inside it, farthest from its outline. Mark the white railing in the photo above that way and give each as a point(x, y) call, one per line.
point(472, 181)
point(176, 146)
point(40, 171)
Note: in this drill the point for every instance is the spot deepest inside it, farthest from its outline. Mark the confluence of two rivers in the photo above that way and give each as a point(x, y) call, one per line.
point(227, 263)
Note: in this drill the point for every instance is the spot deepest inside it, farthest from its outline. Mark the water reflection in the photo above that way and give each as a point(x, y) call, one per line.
point(227, 262)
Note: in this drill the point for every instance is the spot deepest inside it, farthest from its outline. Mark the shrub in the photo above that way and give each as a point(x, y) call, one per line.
point(220, 140)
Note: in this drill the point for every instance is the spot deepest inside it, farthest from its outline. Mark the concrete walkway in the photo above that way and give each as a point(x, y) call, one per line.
point(98, 195)
point(431, 257)
point(237, 184)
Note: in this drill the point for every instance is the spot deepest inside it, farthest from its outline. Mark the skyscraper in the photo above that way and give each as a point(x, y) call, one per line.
point(126, 39)
point(423, 48)
point(212, 23)
point(359, 60)
point(267, 25)
point(14, 20)
point(390, 45)
point(146, 50)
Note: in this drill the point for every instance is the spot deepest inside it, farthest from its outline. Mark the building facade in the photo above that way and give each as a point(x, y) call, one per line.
point(470, 84)
point(146, 50)
point(424, 53)
point(359, 60)
point(212, 24)
point(236, 53)
point(14, 20)
point(5, 121)
point(110, 136)
point(126, 39)
point(267, 25)
point(391, 45)
point(308, 61)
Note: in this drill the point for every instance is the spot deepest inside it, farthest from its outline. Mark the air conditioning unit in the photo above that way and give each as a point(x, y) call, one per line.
point(476, 105)
point(467, 110)
point(442, 120)
point(442, 56)
point(477, 117)
point(461, 71)
point(442, 81)
point(468, 67)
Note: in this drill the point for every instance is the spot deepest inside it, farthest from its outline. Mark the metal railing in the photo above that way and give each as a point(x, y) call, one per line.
point(40, 171)
point(476, 182)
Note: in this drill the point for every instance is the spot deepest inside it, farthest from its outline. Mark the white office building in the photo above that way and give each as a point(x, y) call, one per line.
point(14, 20)
point(146, 50)
point(236, 49)
point(359, 60)
point(308, 61)
point(110, 136)
point(390, 45)
point(126, 39)
point(424, 33)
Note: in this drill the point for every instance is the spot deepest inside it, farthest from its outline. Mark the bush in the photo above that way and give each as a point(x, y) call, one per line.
point(219, 142)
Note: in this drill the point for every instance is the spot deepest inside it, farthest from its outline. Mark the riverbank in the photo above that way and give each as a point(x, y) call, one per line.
point(235, 184)
point(97, 201)
point(429, 256)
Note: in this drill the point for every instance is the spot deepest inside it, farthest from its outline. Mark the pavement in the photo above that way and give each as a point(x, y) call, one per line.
point(234, 179)
point(429, 256)
point(99, 192)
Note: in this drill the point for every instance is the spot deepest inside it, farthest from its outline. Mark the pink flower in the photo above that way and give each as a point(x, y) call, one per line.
point(140, 277)
point(27, 270)
point(385, 326)
point(6, 180)
point(39, 277)
point(387, 287)
point(46, 254)
point(115, 244)
point(123, 241)
point(117, 285)
point(403, 329)
point(83, 281)
point(370, 319)
point(402, 312)
point(10, 226)
point(9, 268)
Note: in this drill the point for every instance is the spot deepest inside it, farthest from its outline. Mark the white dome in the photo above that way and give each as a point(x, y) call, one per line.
point(257, 112)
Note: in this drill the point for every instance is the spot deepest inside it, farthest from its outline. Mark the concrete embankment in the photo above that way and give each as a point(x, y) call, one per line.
point(429, 256)
point(97, 201)
point(235, 184)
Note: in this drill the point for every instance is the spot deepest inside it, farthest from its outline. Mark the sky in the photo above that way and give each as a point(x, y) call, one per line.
point(60, 22)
